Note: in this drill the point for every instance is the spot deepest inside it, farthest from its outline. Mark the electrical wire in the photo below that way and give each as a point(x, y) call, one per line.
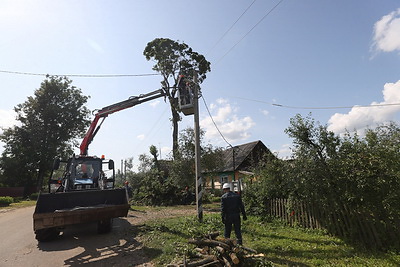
point(155, 74)
point(81, 75)
point(212, 119)
point(223, 137)
point(337, 107)
point(244, 36)
point(220, 39)
point(150, 133)
point(230, 28)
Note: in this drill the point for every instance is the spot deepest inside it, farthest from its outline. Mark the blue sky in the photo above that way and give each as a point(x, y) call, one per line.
point(307, 56)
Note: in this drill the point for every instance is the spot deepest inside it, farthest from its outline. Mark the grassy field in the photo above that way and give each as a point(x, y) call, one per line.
point(166, 242)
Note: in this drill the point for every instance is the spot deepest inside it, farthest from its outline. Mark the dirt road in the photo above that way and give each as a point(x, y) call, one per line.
point(78, 244)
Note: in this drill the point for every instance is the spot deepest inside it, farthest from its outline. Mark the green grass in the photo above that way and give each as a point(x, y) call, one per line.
point(166, 242)
point(147, 208)
point(294, 246)
point(20, 204)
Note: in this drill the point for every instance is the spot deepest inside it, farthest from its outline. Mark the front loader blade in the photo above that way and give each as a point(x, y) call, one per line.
point(67, 208)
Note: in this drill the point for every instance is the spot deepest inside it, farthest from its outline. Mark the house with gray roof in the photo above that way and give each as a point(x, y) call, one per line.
point(238, 162)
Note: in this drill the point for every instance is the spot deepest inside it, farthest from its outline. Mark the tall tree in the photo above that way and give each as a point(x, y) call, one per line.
point(184, 167)
point(154, 153)
point(49, 123)
point(171, 60)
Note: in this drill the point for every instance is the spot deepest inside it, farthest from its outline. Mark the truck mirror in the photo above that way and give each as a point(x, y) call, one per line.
point(56, 164)
point(110, 164)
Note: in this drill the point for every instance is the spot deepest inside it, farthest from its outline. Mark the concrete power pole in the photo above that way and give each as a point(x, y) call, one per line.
point(199, 190)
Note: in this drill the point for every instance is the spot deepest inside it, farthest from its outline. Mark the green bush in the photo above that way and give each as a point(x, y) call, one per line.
point(5, 201)
point(358, 174)
point(155, 190)
point(34, 196)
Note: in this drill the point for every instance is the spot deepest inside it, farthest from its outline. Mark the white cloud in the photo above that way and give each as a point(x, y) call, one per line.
point(387, 32)
point(361, 117)
point(7, 118)
point(154, 103)
point(141, 137)
point(284, 152)
point(265, 112)
point(165, 152)
point(232, 125)
point(221, 101)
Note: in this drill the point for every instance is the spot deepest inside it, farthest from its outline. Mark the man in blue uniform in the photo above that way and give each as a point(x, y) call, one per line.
point(231, 207)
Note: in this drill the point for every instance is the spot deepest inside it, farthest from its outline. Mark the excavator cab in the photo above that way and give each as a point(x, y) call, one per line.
point(80, 191)
point(81, 173)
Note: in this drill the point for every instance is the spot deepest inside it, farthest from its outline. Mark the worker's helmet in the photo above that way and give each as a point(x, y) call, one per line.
point(226, 186)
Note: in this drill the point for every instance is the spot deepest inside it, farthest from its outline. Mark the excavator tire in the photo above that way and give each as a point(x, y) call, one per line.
point(47, 234)
point(104, 226)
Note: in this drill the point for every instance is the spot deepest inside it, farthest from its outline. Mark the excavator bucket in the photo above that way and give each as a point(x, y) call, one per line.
point(58, 210)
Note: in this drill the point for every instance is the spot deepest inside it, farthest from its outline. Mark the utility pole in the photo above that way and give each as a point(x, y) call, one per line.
point(125, 170)
point(199, 191)
point(122, 171)
point(234, 164)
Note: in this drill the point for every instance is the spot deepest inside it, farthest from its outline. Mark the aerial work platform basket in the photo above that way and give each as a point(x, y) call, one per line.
point(185, 96)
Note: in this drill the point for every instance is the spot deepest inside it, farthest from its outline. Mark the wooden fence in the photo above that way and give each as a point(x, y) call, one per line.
point(17, 191)
point(339, 220)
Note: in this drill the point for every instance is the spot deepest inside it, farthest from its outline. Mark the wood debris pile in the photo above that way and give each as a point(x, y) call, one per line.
point(213, 250)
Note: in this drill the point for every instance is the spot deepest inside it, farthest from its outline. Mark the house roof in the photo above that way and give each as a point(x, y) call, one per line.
point(244, 155)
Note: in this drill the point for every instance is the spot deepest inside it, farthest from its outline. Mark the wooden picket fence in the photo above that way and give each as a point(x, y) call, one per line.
point(339, 220)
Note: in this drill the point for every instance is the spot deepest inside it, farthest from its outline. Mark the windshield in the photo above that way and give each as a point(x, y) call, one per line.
point(87, 169)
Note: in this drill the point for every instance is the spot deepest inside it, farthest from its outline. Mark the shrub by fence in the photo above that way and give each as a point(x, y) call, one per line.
point(340, 220)
point(17, 191)
point(5, 201)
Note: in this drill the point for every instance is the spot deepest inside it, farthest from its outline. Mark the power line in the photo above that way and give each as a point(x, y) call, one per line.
point(244, 36)
point(244, 12)
point(212, 119)
point(223, 137)
point(151, 74)
point(230, 28)
point(336, 107)
point(80, 75)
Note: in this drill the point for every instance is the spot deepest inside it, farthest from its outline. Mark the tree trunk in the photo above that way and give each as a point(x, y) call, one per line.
point(208, 242)
point(175, 120)
point(40, 178)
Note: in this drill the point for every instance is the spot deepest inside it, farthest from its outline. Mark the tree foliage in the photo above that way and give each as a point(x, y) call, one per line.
point(171, 60)
point(164, 182)
point(48, 124)
point(358, 174)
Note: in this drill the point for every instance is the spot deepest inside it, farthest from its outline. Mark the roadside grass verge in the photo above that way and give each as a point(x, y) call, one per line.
point(23, 203)
point(147, 208)
point(19, 204)
point(281, 244)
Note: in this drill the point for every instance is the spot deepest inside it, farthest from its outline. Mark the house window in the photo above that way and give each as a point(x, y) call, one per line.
point(223, 179)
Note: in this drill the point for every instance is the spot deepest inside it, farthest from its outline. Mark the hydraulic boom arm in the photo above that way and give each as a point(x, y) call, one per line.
point(104, 112)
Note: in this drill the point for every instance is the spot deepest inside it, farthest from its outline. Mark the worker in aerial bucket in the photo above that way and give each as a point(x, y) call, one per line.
point(231, 207)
